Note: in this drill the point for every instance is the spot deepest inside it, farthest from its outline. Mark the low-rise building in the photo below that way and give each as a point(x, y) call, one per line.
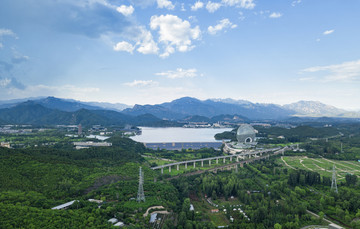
point(84, 145)
point(64, 206)
point(5, 144)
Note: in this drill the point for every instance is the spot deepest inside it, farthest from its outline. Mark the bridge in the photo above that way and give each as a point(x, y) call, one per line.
point(237, 157)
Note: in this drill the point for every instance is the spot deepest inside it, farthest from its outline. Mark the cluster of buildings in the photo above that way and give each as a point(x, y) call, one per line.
point(15, 129)
point(205, 125)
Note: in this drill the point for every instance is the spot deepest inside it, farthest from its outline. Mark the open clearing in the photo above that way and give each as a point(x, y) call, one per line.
point(323, 166)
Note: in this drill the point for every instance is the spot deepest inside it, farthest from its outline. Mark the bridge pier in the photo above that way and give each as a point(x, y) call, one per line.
point(169, 169)
point(177, 167)
point(185, 165)
point(209, 162)
point(237, 159)
point(231, 158)
point(194, 164)
point(162, 170)
point(202, 163)
point(217, 160)
point(224, 160)
point(260, 153)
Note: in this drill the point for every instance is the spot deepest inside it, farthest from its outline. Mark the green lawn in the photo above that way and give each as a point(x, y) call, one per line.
point(324, 166)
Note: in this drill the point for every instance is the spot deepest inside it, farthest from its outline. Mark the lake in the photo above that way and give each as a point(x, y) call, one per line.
point(177, 134)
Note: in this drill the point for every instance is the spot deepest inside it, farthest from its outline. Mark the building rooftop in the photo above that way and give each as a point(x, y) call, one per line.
point(62, 206)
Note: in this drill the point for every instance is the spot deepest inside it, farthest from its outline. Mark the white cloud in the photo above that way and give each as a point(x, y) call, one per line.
point(197, 5)
point(125, 10)
point(246, 4)
point(179, 73)
point(212, 6)
point(69, 91)
point(294, 3)
point(7, 32)
point(146, 43)
point(4, 82)
point(346, 71)
point(223, 24)
point(327, 32)
point(124, 46)
point(275, 15)
point(241, 16)
point(142, 40)
point(183, 7)
point(165, 4)
point(174, 33)
point(141, 83)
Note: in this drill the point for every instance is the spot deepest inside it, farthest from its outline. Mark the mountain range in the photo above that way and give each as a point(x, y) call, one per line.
point(187, 106)
point(51, 110)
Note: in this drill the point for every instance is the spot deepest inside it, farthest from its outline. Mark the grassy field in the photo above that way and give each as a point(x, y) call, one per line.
point(323, 166)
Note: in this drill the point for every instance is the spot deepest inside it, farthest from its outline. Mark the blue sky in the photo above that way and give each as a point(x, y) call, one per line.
point(152, 51)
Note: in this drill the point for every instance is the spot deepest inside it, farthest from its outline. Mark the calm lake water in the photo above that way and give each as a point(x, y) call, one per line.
point(178, 134)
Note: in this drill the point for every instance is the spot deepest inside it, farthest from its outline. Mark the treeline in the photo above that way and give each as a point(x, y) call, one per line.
point(303, 177)
point(297, 134)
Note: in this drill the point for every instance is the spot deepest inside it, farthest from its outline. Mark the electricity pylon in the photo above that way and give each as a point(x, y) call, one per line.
point(333, 182)
point(141, 195)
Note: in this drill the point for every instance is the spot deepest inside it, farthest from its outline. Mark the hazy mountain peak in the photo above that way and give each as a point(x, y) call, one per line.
point(231, 101)
point(314, 108)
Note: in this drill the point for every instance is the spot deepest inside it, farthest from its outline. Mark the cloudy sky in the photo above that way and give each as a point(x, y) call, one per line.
point(152, 51)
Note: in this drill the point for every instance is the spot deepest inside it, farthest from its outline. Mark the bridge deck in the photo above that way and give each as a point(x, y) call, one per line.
point(214, 158)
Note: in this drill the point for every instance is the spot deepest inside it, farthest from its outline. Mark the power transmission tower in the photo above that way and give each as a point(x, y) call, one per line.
point(333, 182)
point(141, 195)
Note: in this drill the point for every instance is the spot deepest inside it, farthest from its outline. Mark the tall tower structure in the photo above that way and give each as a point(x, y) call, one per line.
point(333, 182)
point(141, 195)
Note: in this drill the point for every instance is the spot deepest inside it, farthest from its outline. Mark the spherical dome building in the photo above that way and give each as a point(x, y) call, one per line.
point(246, 134)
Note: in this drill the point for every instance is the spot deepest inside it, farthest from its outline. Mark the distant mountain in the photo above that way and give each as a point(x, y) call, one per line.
point(187, 106)
point(108, 106)
point(31, 112)
point(229, 118)
point(314, 109)
point(14, 102)
point(65, 104)
point(157, 110)
point(232, 101)
point(196, 118)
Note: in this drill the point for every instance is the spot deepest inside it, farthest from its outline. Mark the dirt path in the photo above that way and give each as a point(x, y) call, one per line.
point(287, 163)
point(352, 163)
point(153, 207)
point(346, 171)
point(304, 165)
